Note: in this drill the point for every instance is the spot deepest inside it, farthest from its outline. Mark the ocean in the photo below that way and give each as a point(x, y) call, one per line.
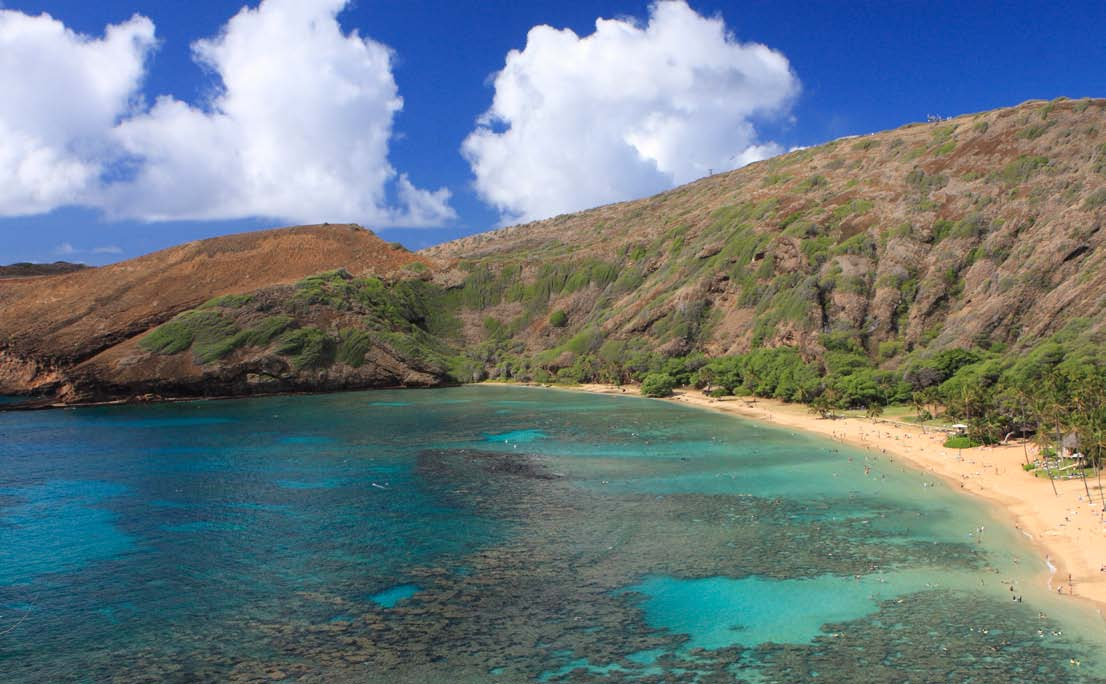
point(501, 534)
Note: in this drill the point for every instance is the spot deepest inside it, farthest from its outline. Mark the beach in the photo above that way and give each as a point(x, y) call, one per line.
point(1066, 527)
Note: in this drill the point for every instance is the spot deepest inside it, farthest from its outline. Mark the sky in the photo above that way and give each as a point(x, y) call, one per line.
point(128, 126)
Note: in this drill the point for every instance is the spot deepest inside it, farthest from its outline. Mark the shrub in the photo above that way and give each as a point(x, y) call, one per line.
point(970, 226)
point(1032, 132)
point(856, 206)
point(889, 349)
point(860, 244)
point(945, 148)
point(168, 338)
point(213, 346)
point(658, 385)
point(266, 330)
point(353, 344)
point(230, 301)
point(308, 348)
point(1021, 169)
point(812, 183)
point(925, 183)
point(558, 319)
point(1095, 199)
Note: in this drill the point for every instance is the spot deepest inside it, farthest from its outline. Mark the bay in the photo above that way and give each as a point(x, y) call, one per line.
point(500, 534)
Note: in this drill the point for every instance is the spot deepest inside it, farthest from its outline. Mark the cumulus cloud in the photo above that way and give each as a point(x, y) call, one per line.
point(298, 128)
point(62, 94)
point(624, 112)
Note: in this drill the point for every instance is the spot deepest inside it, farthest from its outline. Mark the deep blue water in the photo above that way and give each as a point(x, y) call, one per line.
point(497, 534)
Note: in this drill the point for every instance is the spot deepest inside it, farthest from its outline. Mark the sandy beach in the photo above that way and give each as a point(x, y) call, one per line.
point(1066, 527)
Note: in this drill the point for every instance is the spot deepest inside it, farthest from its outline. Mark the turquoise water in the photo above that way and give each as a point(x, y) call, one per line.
point(487, 534)
point(390, 597)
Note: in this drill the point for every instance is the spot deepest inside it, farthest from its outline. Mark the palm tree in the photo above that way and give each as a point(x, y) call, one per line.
point(917, 400)
point(1025, 442)
point(1090, 403)
point(1040, 405)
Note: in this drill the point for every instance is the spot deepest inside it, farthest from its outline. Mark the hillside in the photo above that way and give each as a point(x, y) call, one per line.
point(983, 228)
point(49, 327)
point(979, 235)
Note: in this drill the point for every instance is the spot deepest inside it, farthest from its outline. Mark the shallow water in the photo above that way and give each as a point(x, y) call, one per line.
point(504, 535)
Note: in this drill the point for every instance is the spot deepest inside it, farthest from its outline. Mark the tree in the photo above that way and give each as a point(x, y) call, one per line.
point(658, 385)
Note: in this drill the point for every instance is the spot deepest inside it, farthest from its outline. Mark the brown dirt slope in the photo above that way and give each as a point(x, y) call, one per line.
point(48, 325)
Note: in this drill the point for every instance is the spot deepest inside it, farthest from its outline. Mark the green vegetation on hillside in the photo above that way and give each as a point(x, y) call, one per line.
point(410, 319)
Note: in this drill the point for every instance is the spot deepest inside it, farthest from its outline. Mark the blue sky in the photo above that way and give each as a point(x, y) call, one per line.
point(848, 68)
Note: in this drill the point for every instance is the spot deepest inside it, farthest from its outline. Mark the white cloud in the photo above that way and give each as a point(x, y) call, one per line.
point(298, 129)
point(62, 93)
point(67, 249)
point(624, 112)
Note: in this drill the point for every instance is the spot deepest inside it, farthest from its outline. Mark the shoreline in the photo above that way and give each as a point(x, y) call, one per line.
point(1064, 528)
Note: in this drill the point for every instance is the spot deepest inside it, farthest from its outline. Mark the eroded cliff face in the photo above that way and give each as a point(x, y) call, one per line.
point(129, 373)
point(984, 229)
point(20, 375)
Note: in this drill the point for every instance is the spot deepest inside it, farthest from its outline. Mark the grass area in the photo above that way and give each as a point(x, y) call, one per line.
point(307, 347)
point(211, 335)
point(208, 333)
point(903, 413)
point(1063, 469)
point(961, 442)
